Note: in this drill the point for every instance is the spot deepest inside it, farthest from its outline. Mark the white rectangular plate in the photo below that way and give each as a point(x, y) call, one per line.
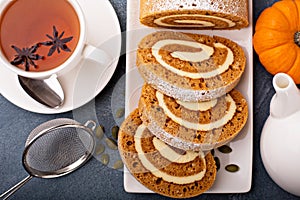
point(242, 145)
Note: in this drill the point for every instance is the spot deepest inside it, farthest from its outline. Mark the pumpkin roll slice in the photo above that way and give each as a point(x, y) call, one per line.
point(190, 67)
point(161, 168)
point(193, 14)
point(193, 126)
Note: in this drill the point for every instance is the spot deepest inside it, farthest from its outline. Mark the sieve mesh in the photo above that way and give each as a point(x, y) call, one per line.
point(48, 125)
point(57, 147)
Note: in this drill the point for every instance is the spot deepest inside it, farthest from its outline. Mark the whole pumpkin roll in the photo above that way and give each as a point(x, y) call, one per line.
point(198, 126)
point(161, 168)
point(195, 14)
point(190, 67)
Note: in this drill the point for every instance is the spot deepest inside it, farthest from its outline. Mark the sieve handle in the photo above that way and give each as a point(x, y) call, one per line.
point(90, 123)
point(13, 189)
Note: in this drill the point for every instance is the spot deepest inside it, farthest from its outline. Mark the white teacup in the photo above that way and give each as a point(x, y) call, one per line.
point(81, 52)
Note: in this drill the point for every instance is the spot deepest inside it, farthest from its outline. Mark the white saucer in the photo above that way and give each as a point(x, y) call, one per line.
point(87, 79)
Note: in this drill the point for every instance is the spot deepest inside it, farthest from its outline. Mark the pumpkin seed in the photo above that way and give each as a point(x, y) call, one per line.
point(114, 132)
point(217, 160)
point(111, 144)
point(232, 168)
point(100, 132)
point(100, 149)
point(104, 159)
point(212, 152)
point(120, 112)
point(225, 149)
point(118, 164)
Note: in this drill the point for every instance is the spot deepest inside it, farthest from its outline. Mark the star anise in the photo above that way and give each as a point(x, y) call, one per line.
point(26, 56)
point(57, 42)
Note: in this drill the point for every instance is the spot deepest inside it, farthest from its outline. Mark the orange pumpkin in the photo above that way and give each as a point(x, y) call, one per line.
point(277, 38)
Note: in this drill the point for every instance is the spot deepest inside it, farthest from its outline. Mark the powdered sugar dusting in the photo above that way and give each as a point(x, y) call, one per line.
point(184, 94)
point(223, 8)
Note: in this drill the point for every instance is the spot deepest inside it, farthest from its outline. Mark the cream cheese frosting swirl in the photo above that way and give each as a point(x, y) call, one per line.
point(168, 153)
point(199, 126)
point(205, 53)
point(192, 21)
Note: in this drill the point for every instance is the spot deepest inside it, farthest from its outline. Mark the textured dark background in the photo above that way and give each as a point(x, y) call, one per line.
point(94, 181)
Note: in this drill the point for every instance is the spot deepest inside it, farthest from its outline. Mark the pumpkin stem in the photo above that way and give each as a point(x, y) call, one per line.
point(297, 38)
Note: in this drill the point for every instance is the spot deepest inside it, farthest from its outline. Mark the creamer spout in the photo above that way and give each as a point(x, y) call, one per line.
point(286, 101)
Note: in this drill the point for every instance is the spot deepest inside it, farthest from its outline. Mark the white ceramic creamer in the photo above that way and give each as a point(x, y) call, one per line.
point(280, 138)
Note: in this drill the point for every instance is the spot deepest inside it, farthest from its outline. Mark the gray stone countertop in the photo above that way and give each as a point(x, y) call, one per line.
point(95, 181)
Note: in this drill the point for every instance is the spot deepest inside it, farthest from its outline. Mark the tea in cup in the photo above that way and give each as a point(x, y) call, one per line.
point(39, 38)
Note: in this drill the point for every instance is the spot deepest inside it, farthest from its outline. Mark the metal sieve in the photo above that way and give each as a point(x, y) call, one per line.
point(56, 148)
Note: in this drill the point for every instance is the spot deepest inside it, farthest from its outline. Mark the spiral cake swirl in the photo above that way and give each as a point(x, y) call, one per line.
point(194, 14)
point(190, 67)
point(164, 169)
point(193, 126)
